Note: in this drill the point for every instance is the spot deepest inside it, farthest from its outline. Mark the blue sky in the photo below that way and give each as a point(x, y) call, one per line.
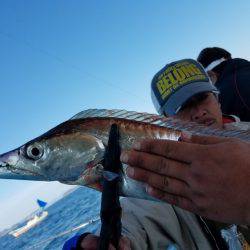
point(61, 57)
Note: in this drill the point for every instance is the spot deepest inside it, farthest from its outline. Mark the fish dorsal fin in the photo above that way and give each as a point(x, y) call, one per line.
point(133, 116)
point(118, 113)
point(162, 121)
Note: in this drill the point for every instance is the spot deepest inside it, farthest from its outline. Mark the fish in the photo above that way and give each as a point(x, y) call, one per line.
point(72, 152)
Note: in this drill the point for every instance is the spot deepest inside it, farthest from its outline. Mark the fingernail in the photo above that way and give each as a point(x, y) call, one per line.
point(130, 171)
point(124, 157)
point(137, 145)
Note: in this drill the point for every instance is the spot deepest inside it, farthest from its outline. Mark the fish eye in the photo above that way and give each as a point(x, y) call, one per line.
point(34, 151)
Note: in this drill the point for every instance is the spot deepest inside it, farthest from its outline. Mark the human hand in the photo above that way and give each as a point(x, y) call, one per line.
point(207, 175)
point(90, 242)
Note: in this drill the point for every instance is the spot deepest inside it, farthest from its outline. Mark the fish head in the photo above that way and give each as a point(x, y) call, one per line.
point(61, 157)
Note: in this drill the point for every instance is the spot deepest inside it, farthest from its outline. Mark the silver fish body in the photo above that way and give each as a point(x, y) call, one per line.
point(73, 151)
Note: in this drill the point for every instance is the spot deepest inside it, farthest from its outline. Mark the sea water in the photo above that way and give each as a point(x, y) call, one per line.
point(80, 206)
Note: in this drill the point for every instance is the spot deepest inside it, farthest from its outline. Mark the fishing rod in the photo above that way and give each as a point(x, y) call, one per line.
point(110, 212)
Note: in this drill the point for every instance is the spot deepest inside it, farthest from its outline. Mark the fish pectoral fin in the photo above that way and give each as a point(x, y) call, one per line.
point(91, 177)
point(95, 184)
point(90, 182)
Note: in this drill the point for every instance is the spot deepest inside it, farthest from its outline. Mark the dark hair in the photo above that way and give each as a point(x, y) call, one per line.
point(197, 99)
point(211, 54)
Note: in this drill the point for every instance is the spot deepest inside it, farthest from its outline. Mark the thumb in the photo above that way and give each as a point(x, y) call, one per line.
point(202, 139)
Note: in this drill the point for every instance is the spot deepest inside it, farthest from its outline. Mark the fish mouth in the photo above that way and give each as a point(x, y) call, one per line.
point(10, 170)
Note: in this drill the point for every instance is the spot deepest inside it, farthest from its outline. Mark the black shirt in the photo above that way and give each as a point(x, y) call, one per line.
point(234, 86)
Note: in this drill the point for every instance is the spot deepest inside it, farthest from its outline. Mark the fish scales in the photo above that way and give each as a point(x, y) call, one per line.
point(73, 151)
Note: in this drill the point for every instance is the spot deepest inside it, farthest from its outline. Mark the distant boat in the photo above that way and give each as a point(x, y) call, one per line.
point(41, 215)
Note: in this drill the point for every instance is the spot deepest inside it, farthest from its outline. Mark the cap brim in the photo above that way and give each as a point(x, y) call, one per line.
point(177, 99)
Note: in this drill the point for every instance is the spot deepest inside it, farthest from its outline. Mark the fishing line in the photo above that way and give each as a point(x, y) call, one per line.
point(75, 67)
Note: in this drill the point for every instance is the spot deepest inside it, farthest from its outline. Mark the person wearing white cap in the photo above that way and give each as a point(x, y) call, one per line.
point(182, 89)
point(198, 174)
point(183, 84)
point(232, 78)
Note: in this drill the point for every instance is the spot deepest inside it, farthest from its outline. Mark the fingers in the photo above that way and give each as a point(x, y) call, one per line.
point(180, 151)
point(157, 164)
point(204, 140)
point(175, 200)
point(90, 242)
point(161, 182)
